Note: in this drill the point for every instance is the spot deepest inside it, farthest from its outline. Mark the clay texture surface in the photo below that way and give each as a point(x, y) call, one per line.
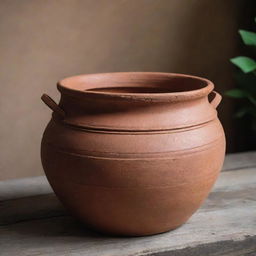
point(133, 153)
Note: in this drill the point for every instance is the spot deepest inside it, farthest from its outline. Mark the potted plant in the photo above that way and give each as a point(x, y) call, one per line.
point(245, 90)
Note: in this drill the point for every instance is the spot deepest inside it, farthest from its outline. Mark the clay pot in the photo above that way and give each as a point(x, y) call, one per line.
point(133, 153)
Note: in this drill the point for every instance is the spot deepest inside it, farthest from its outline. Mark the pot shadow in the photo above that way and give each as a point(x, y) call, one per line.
point(44, 216)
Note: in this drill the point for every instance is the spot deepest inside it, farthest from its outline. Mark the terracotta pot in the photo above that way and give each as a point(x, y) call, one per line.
point(133, 153)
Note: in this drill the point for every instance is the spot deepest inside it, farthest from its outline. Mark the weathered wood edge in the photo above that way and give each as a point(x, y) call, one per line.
point(30, 208)
point(26, 187)
point(217, 221)
point(239, 161)
point(47, 205)
point(246, 247)
point(31, 186)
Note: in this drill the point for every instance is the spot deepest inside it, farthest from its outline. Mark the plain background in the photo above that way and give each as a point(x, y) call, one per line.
point(45, 40)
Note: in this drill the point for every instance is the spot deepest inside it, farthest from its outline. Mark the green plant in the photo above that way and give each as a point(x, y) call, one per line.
point(246, 79)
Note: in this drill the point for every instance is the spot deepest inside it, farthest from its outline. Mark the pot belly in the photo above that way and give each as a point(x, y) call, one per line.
point(133, 185)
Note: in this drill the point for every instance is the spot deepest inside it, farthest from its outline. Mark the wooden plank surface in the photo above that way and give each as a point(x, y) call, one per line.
point(19, 188)
point(239, 161)
point(11, 189)
point(224, 225)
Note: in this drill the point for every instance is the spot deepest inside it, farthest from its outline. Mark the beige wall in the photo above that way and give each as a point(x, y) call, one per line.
point(43, 41)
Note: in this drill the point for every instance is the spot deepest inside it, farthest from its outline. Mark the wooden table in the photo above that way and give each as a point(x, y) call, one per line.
point(33, 222)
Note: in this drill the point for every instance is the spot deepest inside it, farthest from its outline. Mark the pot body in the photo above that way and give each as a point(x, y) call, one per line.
point(132, 181)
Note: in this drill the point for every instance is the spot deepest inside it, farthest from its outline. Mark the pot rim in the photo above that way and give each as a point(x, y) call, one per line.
point(71, 85)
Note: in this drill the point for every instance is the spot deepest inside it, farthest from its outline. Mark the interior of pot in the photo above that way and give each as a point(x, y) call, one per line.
point(131, 89)
point(136, 83)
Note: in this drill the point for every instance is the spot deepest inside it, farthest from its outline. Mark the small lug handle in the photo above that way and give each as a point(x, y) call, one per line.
point(53, 105)
point(215, 99)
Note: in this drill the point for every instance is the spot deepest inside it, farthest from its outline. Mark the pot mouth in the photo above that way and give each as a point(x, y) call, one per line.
point(152, 86)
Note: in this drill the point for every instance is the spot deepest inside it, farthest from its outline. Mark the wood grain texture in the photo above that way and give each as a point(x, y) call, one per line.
point(27, 187)
point(239, 161)
point(224, 225)
point(247, 247)
point(30, 208)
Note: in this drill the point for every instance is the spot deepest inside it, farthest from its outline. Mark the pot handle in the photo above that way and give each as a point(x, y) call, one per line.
point(215, 99)
point(53, 105)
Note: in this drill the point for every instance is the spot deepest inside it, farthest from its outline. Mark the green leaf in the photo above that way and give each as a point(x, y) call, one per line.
point(246, 64)
point(237, 93)
point(248, 37)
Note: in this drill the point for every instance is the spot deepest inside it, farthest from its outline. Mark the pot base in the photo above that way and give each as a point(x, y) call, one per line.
point(121, 234)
